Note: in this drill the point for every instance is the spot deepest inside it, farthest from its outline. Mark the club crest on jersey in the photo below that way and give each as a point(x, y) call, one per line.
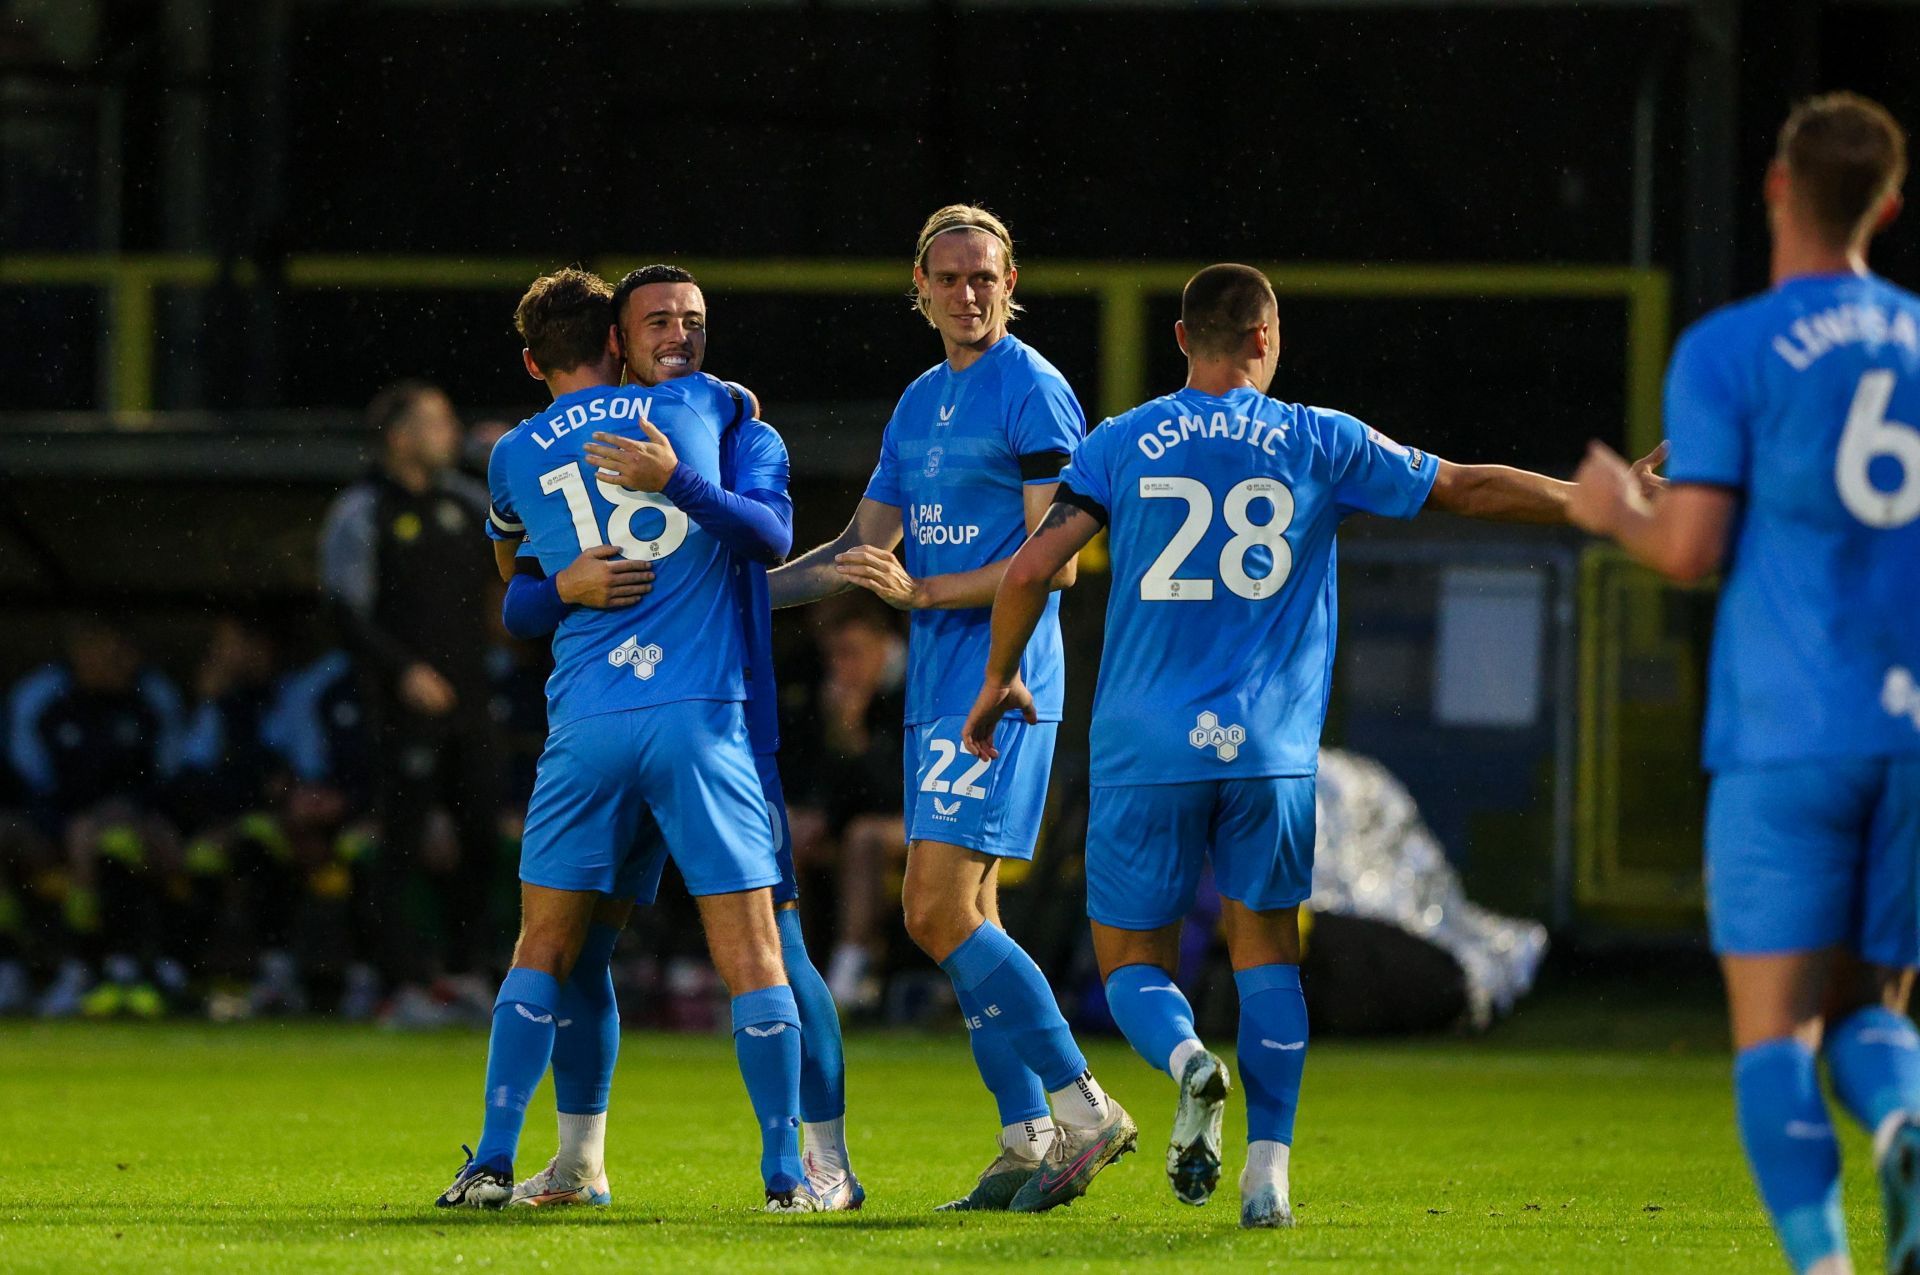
point(1208, 733)
point(934, 456)
point(643, 660)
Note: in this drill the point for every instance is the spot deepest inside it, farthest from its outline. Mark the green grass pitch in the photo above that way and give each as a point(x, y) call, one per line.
point(312, 1148)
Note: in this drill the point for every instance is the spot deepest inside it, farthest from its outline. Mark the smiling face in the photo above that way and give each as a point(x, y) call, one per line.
point(966, 288)
point(663, 329)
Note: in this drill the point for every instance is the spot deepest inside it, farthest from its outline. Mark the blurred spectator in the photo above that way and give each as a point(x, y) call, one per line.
point(95, 739)
point(843, 782)
point(403, 559)
point(477, 450)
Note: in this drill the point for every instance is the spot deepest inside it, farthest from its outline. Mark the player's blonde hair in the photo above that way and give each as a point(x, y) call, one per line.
point(963, 217)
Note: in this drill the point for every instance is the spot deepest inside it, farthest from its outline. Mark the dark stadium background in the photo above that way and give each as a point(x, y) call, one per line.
point(249, 131)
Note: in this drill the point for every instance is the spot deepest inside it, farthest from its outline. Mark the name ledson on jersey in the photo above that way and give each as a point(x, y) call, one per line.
point(620, 407)
point(1849, 324)
point(926, 526)
point(1250, 430)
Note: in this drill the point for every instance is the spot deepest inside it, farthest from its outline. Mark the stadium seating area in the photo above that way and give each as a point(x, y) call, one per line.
point(200, 840)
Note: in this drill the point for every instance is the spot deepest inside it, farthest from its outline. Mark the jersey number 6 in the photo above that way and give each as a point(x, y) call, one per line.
point(567, 480)
point(1869, 434)
point(1159, 584)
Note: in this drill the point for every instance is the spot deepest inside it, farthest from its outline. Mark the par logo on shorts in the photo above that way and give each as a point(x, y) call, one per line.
point(641, 659)
point(1900, 695)
point(1208, 733)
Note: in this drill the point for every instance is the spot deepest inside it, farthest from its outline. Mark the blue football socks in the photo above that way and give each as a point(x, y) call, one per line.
point(517, 1056)
point(586, 1041)
point(1016, 1090)
point(1151, 1011)
point(1874, 1059)
point(1014, 1001)
point(823, 1067)
point(1273, 1048)
point(766, 1040)
point(1790, 1147)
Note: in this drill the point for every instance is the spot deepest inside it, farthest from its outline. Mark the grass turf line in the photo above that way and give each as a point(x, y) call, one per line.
point(313, 1148)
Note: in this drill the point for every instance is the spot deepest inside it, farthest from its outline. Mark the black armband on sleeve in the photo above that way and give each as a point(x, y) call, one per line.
point(1065, 495)
point(1035, 465)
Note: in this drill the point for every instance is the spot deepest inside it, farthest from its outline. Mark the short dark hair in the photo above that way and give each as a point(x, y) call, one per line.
point(392, 404)
point(1223, 303)
point(637, 279)
point(564, 317)
point(1846, 153)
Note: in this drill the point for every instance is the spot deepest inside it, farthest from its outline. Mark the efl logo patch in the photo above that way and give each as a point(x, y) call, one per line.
point(643, 660)
point(1208, 733)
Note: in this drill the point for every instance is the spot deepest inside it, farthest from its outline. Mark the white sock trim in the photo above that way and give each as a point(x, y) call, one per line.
point(583, 1145)
point(826, 1144)
point(1082, 1104)
point(1267, 1161)
point(1182, 1052)
point(1028, 1139)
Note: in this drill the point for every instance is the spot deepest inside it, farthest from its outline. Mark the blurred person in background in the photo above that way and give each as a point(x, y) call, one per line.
point(95, 740)
point(396, 561)
point(845, 783)
point(1796, 468)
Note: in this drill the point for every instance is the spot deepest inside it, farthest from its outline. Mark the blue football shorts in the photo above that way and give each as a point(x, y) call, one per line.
point(686, 767)
point(1146, 844)
point(1817, 854)
point(992, 807)
point(643, 886)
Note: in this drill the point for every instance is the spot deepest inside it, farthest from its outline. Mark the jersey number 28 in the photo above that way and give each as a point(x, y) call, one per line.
point(1868, 435)
point(568, 481)
point(1159, 584)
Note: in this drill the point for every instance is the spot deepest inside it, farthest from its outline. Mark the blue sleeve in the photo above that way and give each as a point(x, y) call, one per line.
point(884, 486)
point(1370, 472)
point(502, 522)
point(533, 608)
point(1088, 475)
point(164, 702)
point(205, 738)
point(31, 698)
point(760, 463)
point(1048, 422)
point(1705, 420)
point(756, 525)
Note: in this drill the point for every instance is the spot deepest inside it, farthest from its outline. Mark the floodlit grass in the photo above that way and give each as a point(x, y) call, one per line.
point(311, 1148)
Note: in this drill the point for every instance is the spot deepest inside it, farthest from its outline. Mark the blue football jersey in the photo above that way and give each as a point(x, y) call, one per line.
point(957, 454)
point(1220, 626)
point(753, 457)
point(1806, 401)
point(681, 642)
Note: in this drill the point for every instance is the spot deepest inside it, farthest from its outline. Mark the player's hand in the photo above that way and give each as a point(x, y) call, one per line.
point(993, 704)
point(1649, 483)
point(1604, 489)
point(602, 579)
point(880, 573)
point(632, 463)
point(424, 691)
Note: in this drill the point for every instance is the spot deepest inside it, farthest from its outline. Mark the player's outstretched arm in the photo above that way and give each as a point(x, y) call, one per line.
point(884, 576)
point(1680, 531)
point(816, 574)
point(1501, 493)
point(1028, 577)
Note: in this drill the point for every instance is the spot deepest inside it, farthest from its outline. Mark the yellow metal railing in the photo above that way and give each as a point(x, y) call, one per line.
point(1123, 291)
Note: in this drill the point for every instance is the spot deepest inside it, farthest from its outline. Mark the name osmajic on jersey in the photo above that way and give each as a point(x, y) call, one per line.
point(1231, 426)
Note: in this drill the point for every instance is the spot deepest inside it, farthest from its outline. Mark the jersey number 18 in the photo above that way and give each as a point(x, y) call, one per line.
point(568, 481)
